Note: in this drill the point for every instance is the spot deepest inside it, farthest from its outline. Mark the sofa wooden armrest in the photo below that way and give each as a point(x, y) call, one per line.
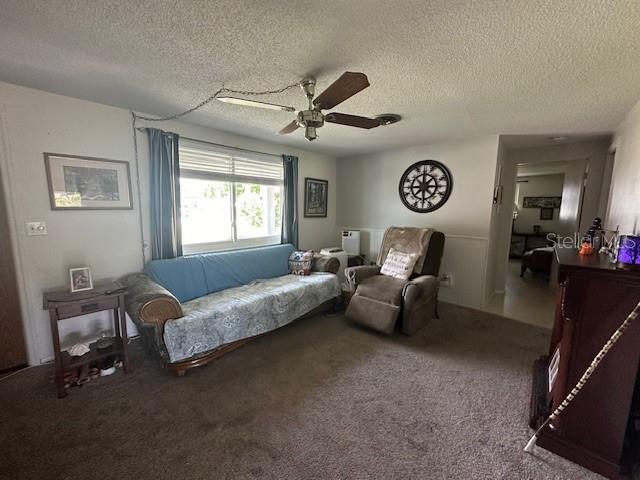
point(325, 263)
point(160, 309)
point(149, 303)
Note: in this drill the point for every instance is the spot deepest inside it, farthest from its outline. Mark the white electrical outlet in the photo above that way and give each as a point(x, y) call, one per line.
point(446, 280)
point(36, 228)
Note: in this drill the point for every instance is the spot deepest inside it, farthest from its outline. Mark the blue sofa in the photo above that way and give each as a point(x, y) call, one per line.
point(195, 308)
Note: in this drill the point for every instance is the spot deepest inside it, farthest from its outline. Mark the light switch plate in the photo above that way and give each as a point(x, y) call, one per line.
point(36, 228)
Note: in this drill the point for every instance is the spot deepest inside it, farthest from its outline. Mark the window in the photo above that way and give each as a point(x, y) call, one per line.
point(228, 199)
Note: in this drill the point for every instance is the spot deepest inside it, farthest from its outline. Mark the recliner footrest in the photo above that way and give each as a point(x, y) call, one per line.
point(373, 313)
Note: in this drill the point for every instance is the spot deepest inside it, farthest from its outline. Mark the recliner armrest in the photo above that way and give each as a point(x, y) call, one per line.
point(355, 275)
point(420, 302)
point(541, 253)
point(419, 286)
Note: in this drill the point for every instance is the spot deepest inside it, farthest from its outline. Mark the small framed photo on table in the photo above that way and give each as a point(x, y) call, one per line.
point(80, 279)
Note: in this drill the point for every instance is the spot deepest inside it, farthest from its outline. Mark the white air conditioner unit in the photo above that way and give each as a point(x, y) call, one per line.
point(351, 241)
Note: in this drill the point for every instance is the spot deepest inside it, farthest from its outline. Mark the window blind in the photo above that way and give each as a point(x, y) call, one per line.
point(201, 160)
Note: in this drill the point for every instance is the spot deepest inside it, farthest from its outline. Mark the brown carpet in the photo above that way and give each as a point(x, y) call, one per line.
point(317, 399)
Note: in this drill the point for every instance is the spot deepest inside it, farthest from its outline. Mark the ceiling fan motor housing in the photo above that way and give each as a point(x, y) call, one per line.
point(310, 118)
point(308, 86)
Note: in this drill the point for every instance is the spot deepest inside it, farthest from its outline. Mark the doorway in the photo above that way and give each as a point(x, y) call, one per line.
point(521, 225)
point(13, 354)
point(544, 206)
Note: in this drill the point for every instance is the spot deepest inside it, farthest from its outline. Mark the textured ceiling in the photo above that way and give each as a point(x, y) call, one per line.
point(515, 142)
point(451, 68)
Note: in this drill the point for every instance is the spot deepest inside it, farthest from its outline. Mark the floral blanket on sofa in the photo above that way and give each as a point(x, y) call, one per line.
point(241, 312)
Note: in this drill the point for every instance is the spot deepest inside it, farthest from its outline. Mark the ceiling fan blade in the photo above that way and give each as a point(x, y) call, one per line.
point(292, 127)
point(344, 87)
point(254, 103)
point(352, 120)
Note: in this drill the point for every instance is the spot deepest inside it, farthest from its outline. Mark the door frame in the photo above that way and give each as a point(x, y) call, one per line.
point(6, 176)
point(509, 176)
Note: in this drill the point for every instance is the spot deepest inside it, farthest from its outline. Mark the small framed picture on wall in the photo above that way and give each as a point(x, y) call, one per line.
point(316, 193)
point(546, 213)
point(87, 183)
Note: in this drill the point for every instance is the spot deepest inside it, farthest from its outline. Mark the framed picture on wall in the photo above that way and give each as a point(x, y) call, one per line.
point(87, 183)
point(546, 213)
point(316, 193)
point(541, 202)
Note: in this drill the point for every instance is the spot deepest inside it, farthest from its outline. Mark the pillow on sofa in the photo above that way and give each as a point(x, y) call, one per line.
point(399, 264)
point(300, 262)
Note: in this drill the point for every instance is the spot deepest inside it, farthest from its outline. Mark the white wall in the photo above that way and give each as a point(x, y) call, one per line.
point(574, 197)
point(368, 200)
point(624, 205)
point(33, 122)
point(537, 186)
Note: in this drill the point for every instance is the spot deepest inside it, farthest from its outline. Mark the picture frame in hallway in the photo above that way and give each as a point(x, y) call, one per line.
point(541, 202)
point(87, 183)
point(316, 194)
point(546, 213)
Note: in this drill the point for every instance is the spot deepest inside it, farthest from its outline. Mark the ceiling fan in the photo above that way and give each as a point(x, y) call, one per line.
point(343, 88)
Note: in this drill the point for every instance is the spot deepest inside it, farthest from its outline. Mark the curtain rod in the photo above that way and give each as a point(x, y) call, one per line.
point(224, 146)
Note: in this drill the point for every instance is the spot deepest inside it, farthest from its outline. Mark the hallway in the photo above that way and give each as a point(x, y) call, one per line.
point(528, 299)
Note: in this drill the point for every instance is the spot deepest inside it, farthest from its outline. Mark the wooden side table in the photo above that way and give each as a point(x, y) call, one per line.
point(355, 260)
point(62, 305)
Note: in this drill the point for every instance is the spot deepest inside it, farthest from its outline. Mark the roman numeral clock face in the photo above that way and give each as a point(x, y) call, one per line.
point(425, 186)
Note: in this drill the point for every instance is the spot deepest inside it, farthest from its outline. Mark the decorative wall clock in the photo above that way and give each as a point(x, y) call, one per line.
point(425, 186)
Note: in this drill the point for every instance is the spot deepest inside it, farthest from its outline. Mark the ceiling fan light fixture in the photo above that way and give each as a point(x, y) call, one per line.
point(388, 118)
point(310, 133)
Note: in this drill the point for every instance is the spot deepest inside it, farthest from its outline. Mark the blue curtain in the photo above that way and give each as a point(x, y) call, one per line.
point(290, 200)
point(166, 235)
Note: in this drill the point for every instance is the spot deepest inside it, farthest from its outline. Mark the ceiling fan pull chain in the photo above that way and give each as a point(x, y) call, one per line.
point(210, 99)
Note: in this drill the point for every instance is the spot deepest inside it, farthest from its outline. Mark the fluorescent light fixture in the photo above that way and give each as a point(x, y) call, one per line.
point(254, 103)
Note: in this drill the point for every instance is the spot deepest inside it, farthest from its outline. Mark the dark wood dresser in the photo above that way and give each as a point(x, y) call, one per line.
point(597, 429)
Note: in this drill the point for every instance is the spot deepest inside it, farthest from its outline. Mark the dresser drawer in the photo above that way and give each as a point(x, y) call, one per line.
point(88, 306)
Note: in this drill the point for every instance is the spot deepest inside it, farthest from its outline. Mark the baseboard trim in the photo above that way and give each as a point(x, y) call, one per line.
point(13, 369)
point(487, 301)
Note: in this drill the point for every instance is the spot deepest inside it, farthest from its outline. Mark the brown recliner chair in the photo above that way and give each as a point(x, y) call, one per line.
point(537, 260)
point(379, 300)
